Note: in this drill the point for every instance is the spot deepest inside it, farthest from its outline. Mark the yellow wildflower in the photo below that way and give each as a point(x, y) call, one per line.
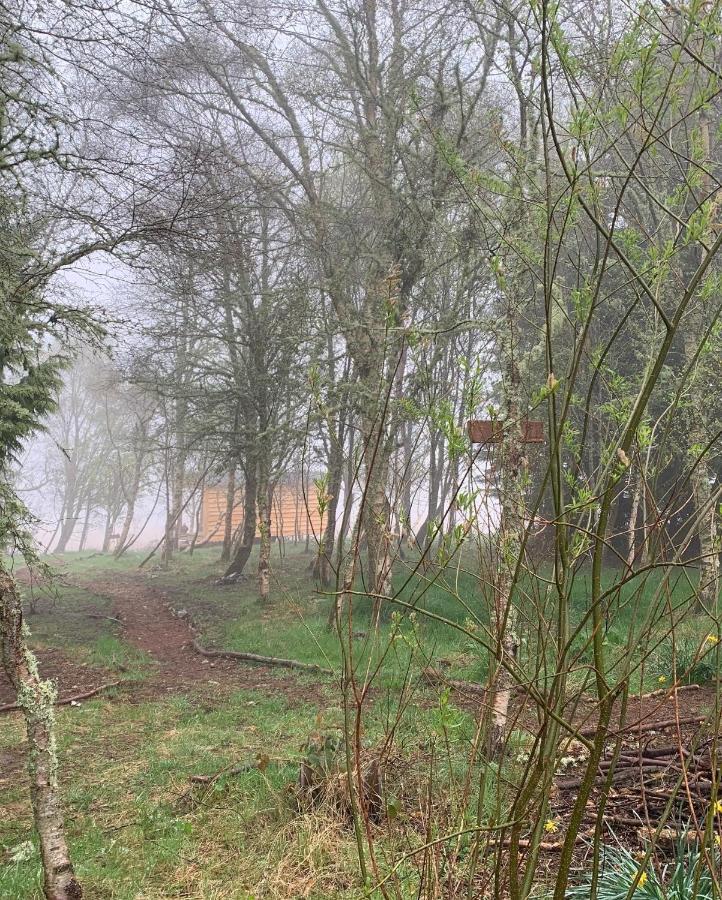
point(550, 826)
point(712, 639)
point(662, 679)
point(718, 807)
point(642, 880)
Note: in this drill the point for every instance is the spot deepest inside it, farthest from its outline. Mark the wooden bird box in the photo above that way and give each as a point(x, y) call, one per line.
point(482, 431)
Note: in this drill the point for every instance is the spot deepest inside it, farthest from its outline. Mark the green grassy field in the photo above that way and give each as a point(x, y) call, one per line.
point(140, 828)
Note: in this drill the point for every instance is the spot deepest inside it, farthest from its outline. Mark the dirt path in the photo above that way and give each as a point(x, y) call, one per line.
point(149, 624)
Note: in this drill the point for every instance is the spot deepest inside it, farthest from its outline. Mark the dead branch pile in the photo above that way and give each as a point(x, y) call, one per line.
point(648, 784)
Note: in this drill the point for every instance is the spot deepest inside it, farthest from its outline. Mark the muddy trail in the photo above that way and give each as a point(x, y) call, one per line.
point(146, 621)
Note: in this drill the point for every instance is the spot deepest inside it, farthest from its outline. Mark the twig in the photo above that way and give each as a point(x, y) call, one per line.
point(433, 676)
point(642, 725)
point(524, 843)
point(11, 707)
point(236, 770)
point(108, 618)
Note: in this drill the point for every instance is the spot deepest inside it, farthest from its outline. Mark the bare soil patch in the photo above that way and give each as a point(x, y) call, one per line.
point(147, 622)
point(150, 624)
point(71, 677)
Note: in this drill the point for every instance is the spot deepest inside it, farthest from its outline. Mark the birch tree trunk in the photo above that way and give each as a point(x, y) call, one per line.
point(348, 486)
point(637, 483)
point(511, 529)
point(702, 475)
point(36, 699)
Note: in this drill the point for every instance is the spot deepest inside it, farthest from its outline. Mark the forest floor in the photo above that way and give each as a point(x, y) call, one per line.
point(154, 806)
point(140, 827)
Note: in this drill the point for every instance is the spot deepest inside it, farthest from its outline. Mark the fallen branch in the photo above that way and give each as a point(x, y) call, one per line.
point(619, 775)
point(673, 750)
point(434, 677)
point(11, 707)
point(671, 691)
point(236, 770)
point(107, 618)
point(642, 725)
point(262, 660)
point(666, 723)
point(526, 843)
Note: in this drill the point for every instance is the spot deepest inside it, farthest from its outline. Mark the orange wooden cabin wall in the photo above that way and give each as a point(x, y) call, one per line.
point(292, 514)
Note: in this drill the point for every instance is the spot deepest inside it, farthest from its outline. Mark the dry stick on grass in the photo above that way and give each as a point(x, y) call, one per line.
point(11, 707)
point(235, 770)
point(433, 677)
point(113, 619)
point(262, 660)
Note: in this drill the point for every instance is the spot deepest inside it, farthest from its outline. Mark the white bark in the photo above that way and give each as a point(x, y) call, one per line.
point(37, 697)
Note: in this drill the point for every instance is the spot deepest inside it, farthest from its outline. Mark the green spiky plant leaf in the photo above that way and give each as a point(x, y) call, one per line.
point(686, 877)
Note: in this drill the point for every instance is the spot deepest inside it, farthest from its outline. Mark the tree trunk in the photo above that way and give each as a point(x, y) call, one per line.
point(71, 508)
point(66, 533)
point(700, 429)
point(86, 528)
point(107, 532)
point(433, 492)
point(376, 518)
point(264, 524)
point(131, 500)
point(125, 530)
point(706, 514)
point(174, 521)
point(511, 530)
point(248, 535)
point(405, 517)
point(228, 521)
point(197, 522)
point(635, 477)
point(323, 566)
point(36, 698)
point(344, 589)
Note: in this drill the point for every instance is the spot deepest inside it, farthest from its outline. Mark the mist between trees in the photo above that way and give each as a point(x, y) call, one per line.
point(332, 234)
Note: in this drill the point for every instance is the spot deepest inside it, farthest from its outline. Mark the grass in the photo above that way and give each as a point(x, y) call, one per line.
point(136, 832)
point(126, 769)
point(138, 829)
point(79, 622)
point(134, 829)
